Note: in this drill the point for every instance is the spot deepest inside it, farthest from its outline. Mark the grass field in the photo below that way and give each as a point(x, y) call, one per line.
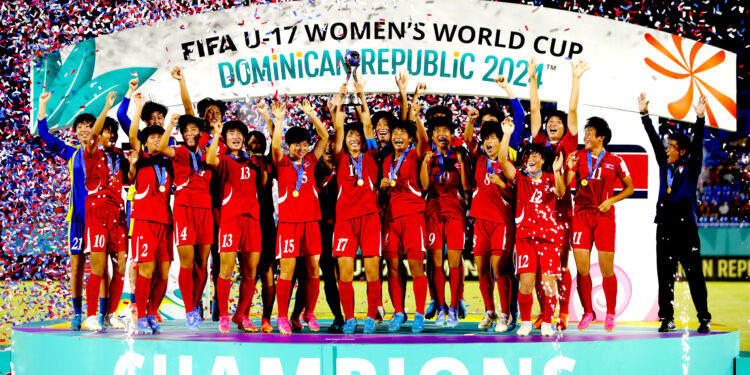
point(33, 301)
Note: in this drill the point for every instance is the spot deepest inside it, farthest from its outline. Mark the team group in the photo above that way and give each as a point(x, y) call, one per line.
point(381, 185)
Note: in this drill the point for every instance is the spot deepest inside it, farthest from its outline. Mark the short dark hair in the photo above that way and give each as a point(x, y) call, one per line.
point(186, 120)
point(537, 148)
point(148, 131)
point(359, 128)
point(683, 141)
point(600, 127)
point(377, 116)
point(84, 117)
point(296, 134)
point(232, 125)
point(208, 102)
point(559, 114)
point(112, 125)
point(150, 107)
point(438, 110)
point(440, 122)
point(407, 126)
point(260, 137)
point(489, 128)
point(493, 111)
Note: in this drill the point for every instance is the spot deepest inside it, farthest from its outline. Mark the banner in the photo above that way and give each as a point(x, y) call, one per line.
point(457, 47)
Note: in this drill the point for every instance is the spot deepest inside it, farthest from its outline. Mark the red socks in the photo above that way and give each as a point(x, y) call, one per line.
point(142, 290)
point(485, 286)
point(503, 289)
point(609, 284)
point(525, 301)
point(92, 294)
point(563, 290)
point(346, 291)
point(373, 298)
point(584, 292)
point(420, 292)
point(439, 277)
point(283, 290)
point(158, 290)
point(223, 286)
point(269, 295)
point(115, 292)
point(394, 289)
point(548, 308)
point(185, 281)
point(312, 288)
point(199, 284)
point(455, 282)
point(247, 287)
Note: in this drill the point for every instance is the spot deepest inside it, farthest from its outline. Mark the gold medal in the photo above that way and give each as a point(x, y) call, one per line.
point(162, 188)
point(584, 182)
point(295, 193)
point(669, 190)
point(393, 183)
point(360, 182)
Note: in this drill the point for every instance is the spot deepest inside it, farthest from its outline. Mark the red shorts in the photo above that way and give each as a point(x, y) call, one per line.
point(445, 230)
point(193, 226)
point(491, 238)
point(359, 232)
point(534, 255)
point(591, 226)
point(405, 237)
point(295, 239)
point(151, 241)
point(106, 230)
point(240, 232)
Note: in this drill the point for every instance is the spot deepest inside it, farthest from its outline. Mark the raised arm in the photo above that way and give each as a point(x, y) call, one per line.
point(164, 147)
point(402, 79)
point(338, 123)
point(418, 92)
point(571, 162)
point(519, 116)
point(212, 157)
point(184, 95)
point(263, 109)
point(696, 145)
point(656, 144)
point(509, 170)
point(122, 109)
point(534, 105)
point(319, 128)
point(364, 112)
point(278, 112)
point(99, 123)
point(55, 144)
point(471, 143)
point(424, 172)
point(560, 186)
point(423, 142)
point(135, 144)
point(132, 159)
point(578, 70)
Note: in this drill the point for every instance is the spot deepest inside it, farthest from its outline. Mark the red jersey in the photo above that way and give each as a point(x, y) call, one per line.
point(405, 197)
point(153, 176)
point(568, 144)
point(601, 186)
point(105, 169)
point(239, 177)
point(354, 200)
point(446, 195)
point(305, 206)
point(535, 207)
point(488, 202)
point(191, 177)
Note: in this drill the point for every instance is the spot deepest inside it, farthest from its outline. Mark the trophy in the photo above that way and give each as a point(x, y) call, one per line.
point(352, 64)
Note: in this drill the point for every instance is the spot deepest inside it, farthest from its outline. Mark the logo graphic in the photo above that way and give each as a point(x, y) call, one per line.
point(679, 108)
point(74, 90)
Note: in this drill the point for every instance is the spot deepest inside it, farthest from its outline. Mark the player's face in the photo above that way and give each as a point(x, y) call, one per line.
point(156, 118)
point(400, 139)
point(673, 152)
point(555, 128)
point(382, 131)
point(152, 142)
point(534, 162)
point(83, 132)
point(354, 141)
point(487, 118)
point(441, 137)
point(590, 140)
point(492, 145)
point(255, 145)
point(213, 115)
point(191, 135)
point(297, 151)
point(105, 138)
point(328, 151)
point(235, 139)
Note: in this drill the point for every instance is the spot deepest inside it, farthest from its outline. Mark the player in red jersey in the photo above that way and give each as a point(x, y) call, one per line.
point(241, 175)
point(106, 169)
point(193, 221)
point(537, 244)
point(299, 212)
point(558, 138)
point(151, 241)
point(405, 233)
point(445, 179)
point(357, 213)
point(595, 172)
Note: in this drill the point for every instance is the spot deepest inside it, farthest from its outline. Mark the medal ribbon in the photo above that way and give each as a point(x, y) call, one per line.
point(161, 174)
point(114, 168)
point(598, 160)
point(195, 159)
point(300, 172)
point(398, 165)
point(441, 162)
point(357, 165)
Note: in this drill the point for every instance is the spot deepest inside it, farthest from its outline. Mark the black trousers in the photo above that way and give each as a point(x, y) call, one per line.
point(679, 242)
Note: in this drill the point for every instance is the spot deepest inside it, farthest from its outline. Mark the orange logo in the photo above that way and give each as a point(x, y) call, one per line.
point(679, 108)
